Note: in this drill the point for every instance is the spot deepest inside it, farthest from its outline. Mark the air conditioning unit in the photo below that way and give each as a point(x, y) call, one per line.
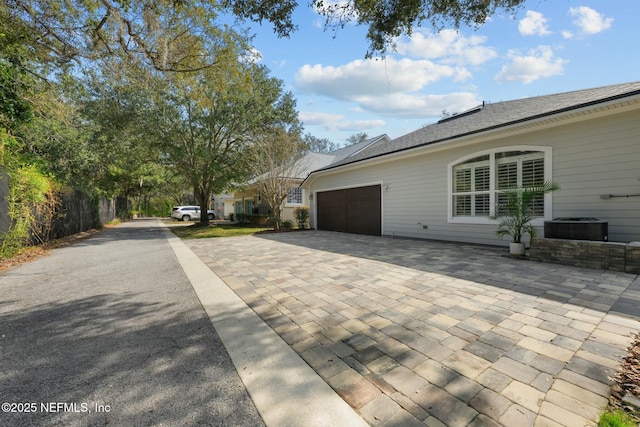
point(577, 229)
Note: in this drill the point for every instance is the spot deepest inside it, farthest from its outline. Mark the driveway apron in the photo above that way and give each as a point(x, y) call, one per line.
point(433, 333)
point(109, 331)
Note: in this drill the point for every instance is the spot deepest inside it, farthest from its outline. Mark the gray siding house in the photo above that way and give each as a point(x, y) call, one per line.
point(248, 200)
point(444, 180)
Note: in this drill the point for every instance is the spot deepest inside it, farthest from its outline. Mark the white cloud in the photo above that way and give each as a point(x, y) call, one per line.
point(337, 122)
point(449, 46)
point(589, 20)
point(395, 87)
point(390, 88)
point(534, 23)
point(376, 78)
point(395, 105)
point(538, 63)
point(567, 34)
point(418, 105)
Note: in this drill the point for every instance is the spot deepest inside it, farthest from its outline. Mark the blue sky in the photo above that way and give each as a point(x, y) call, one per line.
point(550, 46)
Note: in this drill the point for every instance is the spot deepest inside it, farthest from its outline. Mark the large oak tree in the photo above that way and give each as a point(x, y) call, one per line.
point(207, 122)
point(155, 29)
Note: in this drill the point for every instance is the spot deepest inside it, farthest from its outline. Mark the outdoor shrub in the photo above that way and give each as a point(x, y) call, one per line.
point(287, 224)
point(243, 218)
point(31, 198)
point(273, 222)
point(302, 216)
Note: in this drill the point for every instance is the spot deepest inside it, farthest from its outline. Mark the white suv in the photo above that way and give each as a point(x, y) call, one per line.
point(187, 213)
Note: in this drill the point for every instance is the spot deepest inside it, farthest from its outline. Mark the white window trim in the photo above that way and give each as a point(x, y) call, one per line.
point(286, 200)
point(548, 175)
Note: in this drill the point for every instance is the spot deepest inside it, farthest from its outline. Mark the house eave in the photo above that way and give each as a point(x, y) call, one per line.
point(601, 108)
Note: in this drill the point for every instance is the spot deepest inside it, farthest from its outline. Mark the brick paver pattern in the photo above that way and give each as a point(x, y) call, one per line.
point(440, 334)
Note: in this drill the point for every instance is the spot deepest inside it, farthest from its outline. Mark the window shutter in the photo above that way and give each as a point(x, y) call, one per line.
point(532, 172)
point(482, 207)
point(463, 180)
point(463, 205)
point(482, 178)
point(507, 175)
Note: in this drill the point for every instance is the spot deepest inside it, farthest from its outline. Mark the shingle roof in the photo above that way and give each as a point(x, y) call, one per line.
point(350, 150)
point(311, 162)
point(314, 161)
point(492, 116)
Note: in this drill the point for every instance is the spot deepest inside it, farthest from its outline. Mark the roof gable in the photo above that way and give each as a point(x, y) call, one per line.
point(353, 149)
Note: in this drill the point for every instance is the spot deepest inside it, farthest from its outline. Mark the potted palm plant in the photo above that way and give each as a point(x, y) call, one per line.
point(514, 216)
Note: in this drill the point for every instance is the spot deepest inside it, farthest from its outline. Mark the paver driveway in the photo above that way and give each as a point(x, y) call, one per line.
point(421, 332)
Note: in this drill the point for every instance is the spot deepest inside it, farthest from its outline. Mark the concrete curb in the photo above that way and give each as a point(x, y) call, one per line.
point(285, 390)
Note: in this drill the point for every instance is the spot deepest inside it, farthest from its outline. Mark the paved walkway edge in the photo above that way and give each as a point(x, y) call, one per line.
point(285, 390)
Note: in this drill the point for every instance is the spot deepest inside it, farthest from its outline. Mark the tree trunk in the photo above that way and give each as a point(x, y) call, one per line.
point(277, 213)
point(204, 197)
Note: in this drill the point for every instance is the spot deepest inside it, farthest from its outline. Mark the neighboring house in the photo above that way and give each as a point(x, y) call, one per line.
point(444, 180)
point(249, 200)
point(222, 204)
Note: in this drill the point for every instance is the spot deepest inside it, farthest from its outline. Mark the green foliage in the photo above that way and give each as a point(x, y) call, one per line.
point(357, 138)
point(157, 207)
point(319, 145)
point(287, 224)
point(243, 218)
point(178, 35)
point(205, 124)
point(133, 99)
point(273, 222)
point(302, 216)
point(616, 418)
point(165, 35)
point(31, 199)
point(516, 214)
point(385, 19)
point(13, 106)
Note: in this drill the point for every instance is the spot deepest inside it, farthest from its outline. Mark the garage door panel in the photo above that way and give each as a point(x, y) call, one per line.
point(331, 212)
point(363, 217)
point(352, 210)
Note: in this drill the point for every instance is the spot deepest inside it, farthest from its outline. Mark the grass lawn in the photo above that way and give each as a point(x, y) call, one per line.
point(219, 230)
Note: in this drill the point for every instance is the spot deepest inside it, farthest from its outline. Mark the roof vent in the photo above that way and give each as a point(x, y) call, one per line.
point(463, 114)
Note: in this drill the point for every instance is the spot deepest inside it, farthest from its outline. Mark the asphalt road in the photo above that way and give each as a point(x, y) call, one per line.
point(109, 331)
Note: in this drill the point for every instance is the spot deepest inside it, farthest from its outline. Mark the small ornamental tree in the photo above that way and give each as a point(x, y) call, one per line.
point(302, 216)
point(515, 215)
point(277, 157)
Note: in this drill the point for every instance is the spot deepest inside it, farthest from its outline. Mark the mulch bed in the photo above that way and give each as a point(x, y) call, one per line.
point(625, 393)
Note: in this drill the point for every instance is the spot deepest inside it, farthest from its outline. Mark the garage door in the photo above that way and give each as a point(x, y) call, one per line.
point(352, 210)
